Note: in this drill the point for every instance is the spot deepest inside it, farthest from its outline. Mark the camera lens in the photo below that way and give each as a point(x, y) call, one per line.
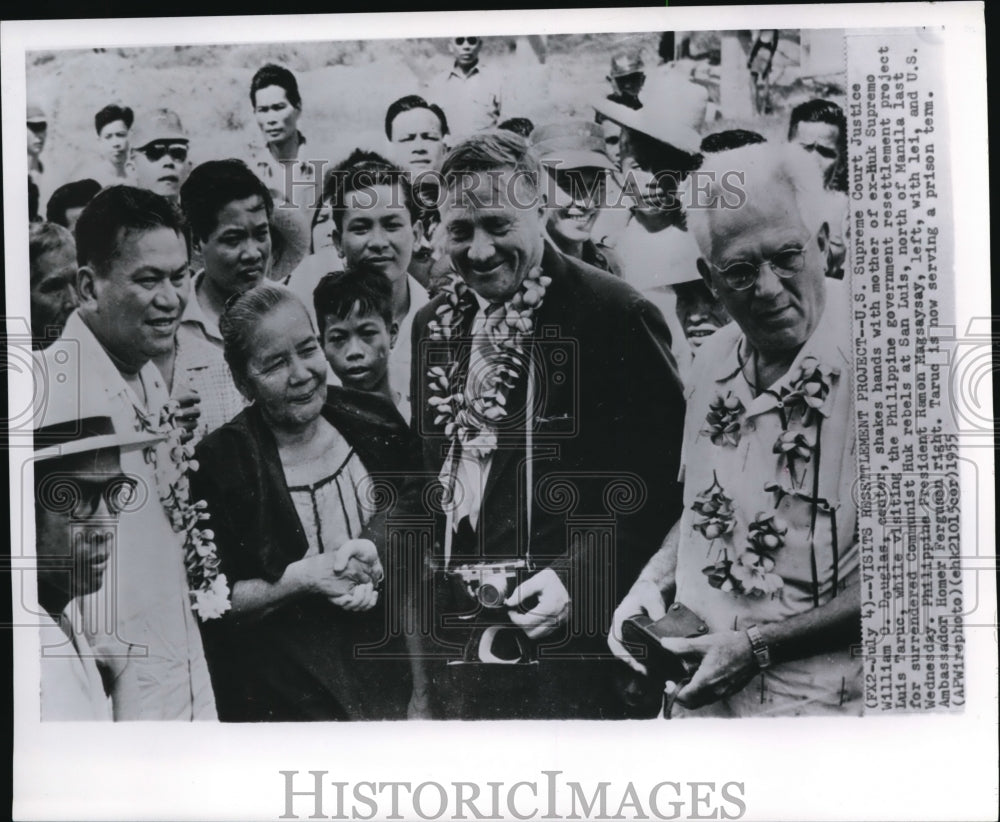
point(492, 591)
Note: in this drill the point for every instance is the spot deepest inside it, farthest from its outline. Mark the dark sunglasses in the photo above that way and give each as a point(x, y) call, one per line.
point(461, 41)
point(37, 128)
point(155, 153)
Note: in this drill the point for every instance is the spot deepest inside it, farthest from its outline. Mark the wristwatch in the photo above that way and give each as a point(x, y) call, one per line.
point(760, 650)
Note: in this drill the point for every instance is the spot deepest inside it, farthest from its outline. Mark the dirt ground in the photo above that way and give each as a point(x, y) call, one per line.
point(345, 86)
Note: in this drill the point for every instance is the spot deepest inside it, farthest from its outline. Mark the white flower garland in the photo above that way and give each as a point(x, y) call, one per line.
point(471, 423)
point(208, 589)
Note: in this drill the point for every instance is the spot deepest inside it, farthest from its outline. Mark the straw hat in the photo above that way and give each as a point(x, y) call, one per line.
point(661, 122)
point(70, 434)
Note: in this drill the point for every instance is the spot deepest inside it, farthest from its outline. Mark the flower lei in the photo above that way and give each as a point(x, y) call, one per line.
point(751, 573)
point(207, 588)
point(723, 419)
point(471, 422)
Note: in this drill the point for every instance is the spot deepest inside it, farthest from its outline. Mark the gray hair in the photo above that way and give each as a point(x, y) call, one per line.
point(44, 238)
point(759, 166)
point(494, 150)
point(242, 315)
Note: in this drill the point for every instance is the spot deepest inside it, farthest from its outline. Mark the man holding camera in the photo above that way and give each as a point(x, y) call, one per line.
point(765, 553)
point(549, 407)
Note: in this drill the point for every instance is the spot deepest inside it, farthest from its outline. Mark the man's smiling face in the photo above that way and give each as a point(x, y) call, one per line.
point(494, 225)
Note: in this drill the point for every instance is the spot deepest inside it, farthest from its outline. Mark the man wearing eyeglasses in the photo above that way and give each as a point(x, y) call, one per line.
point(133, 282)
point(766, 549)
point(80, 492)
point(469, 92)
point(158, 160)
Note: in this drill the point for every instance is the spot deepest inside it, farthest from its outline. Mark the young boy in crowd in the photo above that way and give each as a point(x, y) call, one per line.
point(356, 329)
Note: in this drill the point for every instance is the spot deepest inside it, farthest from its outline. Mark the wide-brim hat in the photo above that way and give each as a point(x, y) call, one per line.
point(82, 435)
point(161, 125)
point(571, 144)
point(291, 237)
point(656, 121)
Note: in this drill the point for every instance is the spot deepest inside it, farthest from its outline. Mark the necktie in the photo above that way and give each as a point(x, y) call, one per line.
point(472, 468)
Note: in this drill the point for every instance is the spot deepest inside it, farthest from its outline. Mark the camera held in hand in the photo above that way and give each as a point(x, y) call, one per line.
point(642, 636)
point(489, 583)
point(484, 587)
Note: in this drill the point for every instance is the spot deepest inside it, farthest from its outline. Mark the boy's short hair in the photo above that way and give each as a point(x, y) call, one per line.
point(364, 169)
point(272, 75)
point(408, 103)
point(341, 293)
point(212, 186)
point(112, 114)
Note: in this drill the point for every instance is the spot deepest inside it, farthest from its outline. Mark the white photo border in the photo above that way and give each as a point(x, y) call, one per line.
point(878, 767)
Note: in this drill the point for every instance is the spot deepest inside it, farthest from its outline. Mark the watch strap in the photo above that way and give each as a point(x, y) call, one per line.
point(761, 652)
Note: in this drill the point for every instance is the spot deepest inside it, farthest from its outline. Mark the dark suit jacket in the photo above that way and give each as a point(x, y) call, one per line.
point(297, 662)
point(607, 439)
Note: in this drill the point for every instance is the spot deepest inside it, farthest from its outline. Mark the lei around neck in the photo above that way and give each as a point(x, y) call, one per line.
point(471, 422)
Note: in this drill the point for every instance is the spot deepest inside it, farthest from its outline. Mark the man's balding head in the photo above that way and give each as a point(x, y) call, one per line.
point(764, 252)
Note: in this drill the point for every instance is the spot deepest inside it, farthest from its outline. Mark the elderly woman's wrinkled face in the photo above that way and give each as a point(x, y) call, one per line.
point(286, 371)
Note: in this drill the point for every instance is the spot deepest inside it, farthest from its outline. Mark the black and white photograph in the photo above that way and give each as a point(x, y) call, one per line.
point(497, 403)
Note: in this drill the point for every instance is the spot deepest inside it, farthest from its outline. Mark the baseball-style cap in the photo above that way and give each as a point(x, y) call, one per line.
point(161, 125)
point(626, 62)
point(36, 114)
point(571, 144)
point(66, 437)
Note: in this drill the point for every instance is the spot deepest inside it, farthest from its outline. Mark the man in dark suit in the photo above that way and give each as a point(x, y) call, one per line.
point(550, 412)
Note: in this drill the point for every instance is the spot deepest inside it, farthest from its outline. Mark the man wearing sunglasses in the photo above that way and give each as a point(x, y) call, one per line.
point(38, 129)
point(766, 549)
point(469, 92)
point(80, 491)
point(158, 160)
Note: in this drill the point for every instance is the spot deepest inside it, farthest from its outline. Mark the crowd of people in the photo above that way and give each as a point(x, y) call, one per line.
point(438, 429)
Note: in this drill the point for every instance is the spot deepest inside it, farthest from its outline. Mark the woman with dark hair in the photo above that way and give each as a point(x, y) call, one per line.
point(289, 487)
